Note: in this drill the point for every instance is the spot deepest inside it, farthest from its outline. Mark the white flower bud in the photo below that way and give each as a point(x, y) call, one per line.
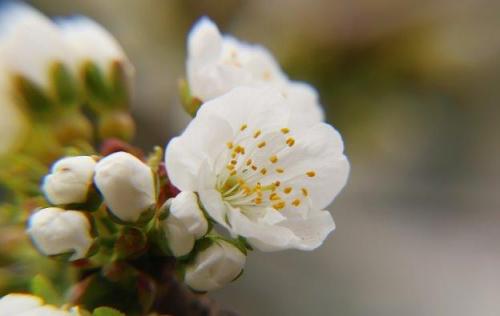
point(126, 184)
point(180, 241)
point(47, 310)
point(55, 231)
point(70, 180)
point(15, 304)
point(185, 207)
point(215, 266)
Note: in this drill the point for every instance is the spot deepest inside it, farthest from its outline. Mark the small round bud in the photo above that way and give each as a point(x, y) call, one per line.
point(215, 266)
point(55, 231)
point(127, 186)
point(70, 180)
point(185, 207)
point(179, 240)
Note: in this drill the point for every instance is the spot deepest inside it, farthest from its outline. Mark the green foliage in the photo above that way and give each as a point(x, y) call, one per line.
point(43, 287)
point(106, 311)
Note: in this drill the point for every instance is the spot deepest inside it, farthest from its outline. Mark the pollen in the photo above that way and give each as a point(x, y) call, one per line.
point(296, 202)
point(285, 130)
point(263, 171)
point(261, 144)
point(234, 162)
point(274, 197)
point(305, 192)
point(273, 159)
point(277, 183)
point(280, 170)
point(279, 205)
point(254, 167)
point(249, 162)
point(257, 133)
point(239, 150)
point(229, 145)
point(243, 127)
point(287, 190)
point(311, 174)
point(290, 141)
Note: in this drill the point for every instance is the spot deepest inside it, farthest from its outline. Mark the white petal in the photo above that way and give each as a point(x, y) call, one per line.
point(204, 41)
point(304, 101)
point(14, 304)
point(262, 236)
point(262, 108)
point(30, 43)
point(55, 231)
point(318, 149)
point(91, 41)
point(126, 184)
point(46, 310)
point(311, 231)
point(214, 205)
point(180, 240)
point(185, 208)
point(204, 138)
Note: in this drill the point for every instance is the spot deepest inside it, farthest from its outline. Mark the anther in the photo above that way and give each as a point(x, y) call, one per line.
point(279, 205)
point(243, 127)
point(273, 159)
point(285, 130)
point(263, 171)
point(296, 202)
point(229, 145)
point(305, 192)
point(280, 170)
point(310, 174)
point(290, 141)
point(257, 133)
point(287, 190)
point(261, 144)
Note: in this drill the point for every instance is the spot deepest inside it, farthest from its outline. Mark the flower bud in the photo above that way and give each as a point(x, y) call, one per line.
point(178, 239)
point(215, 266)
point(15, 304)
point(185, 208)
point(55, 231)
point(70, 180)
point(127, 186)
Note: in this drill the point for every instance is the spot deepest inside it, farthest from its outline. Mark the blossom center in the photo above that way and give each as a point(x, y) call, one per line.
point(253, 170)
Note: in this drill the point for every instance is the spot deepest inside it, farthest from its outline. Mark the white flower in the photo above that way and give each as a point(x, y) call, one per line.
point(30, 43)
point(126, 184)
point(216, 64)
point(256, 173)
point(55, 231)
point(186, 209)
point(180, 241)
point(215, 266)
point(29, 305)
point(91, 42)
point(70, 180)
point(15, 304)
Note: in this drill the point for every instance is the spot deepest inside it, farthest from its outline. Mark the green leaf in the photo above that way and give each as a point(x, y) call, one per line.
point(42, 287)
point(106, 311)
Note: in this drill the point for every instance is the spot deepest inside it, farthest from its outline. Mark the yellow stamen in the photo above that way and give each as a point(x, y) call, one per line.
point(279, 205)
point(305, 192)
point(280, 170)
point(257, 133)
point(290, 141)
point(254, 167)
point(229, 145)
point(249, 162)
point(261, 144)
point(273, 159)
point(234, 162)
point(296, 202)
point(243, 127)
point(311, 173)
point(277, 183)
point(285, 130)
point(263, 171)
point(287, 190)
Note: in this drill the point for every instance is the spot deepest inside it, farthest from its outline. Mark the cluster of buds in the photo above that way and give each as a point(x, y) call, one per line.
point(50, 70)
point(120, 192)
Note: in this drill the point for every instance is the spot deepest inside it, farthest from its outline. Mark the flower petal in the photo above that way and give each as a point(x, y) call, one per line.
point(311, 231)
point(14, 304)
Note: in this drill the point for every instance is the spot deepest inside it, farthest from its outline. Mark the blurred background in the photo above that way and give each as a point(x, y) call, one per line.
point(413, 86)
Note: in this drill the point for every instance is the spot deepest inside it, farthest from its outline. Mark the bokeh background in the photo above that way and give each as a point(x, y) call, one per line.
point(413, 86)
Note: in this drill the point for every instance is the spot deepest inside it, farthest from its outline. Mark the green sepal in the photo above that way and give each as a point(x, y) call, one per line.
point(92, 203)
point(143, 219)
point(116, 124)
point(95, 85)
point(191, 104)
point(64, 85)
point(37, 102)
point(106, 311)
point(42, 287)
point(120, 85)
